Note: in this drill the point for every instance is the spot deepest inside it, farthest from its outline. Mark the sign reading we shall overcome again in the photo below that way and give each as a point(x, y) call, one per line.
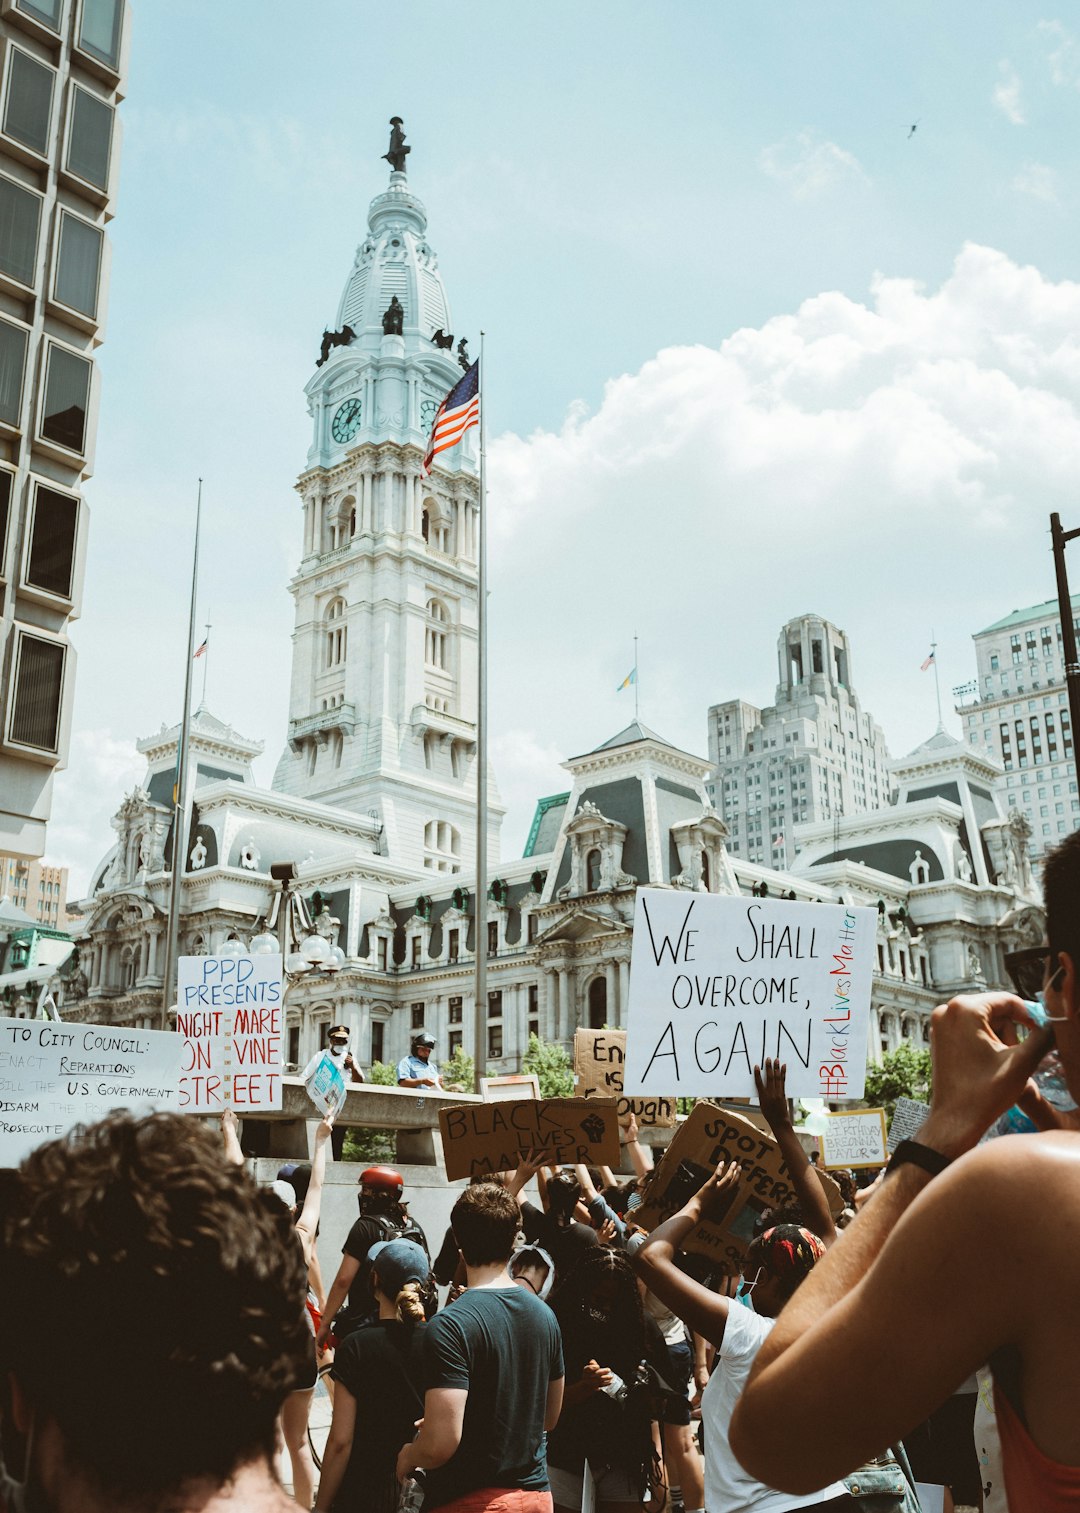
point(717, 984)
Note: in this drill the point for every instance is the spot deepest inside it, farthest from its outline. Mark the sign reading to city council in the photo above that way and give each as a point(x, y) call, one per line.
point(54, 1076)
point(229, 1015)
point(717, 984)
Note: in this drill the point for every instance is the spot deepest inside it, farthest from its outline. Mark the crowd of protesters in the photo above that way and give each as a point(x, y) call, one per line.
point(163, 1318)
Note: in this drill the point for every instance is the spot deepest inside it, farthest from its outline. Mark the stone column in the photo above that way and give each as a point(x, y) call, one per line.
point(554, 1002)
point(152, 968)
point(624, 993)
point(611, 1006)
point(144, 955)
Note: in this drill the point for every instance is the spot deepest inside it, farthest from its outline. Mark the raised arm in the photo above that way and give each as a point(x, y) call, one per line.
point(879, 1288)
point(640, 1155)
point(772, 1100)
point(230, 1127)
point(697, 1306)
point(308, 1222)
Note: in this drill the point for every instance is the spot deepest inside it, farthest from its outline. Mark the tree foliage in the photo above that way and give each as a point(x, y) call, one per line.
point(458, 1072)
point(552, 1065)
point(902, 1073)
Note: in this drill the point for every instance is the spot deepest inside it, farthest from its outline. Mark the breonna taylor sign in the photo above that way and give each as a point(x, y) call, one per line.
point(717, 984)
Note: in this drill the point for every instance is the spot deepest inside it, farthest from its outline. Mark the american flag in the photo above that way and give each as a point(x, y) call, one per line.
point(458, 412)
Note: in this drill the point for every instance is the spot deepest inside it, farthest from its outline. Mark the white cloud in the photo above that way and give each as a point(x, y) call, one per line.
point(890, 464)
point(1064, 55)
point(1007, 94)
point(807, 165)
point(1038, 181)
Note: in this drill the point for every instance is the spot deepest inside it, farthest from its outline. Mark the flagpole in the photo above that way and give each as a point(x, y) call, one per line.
point(480, 911)
point(937, 681)
point(637, 680)
point(179, 822)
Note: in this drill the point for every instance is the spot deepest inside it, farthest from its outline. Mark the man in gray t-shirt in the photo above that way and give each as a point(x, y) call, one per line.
point(493, 1373)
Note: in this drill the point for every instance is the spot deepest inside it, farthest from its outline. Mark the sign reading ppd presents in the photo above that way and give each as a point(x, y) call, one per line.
point(717, 984)
point(494, 1137)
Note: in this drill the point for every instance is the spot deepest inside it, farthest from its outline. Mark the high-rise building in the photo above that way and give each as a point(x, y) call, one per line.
point(62, 78)
point(1021, 716)
point(814, 754)
point(383, 704)
point(37, 889)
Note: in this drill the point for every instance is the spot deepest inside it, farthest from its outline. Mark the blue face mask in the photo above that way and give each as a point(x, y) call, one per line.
point(745, 1295)
point(1037, 1010)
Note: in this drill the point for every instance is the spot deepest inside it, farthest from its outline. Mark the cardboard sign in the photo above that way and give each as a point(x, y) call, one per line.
point(54, 1076)
point(495, 1137)
point(513, 1085)
point(855, 1140)
point(908, 1118)
point(708, 1136)
point(717, 984)
point(326, 1085)
point(229, 1013)
point(598, 1071)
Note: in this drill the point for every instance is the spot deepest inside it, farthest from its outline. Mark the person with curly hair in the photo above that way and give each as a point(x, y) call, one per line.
point(379, 1385)
point(611, 1409)
point(152, 1324)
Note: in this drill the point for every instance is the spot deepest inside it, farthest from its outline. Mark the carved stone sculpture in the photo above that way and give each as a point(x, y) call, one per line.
point(393, 318)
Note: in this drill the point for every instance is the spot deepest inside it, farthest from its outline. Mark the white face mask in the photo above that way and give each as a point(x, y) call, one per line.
point(338, 1050)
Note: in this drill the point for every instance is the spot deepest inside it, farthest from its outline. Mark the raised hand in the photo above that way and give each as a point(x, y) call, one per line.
point(772, 1094)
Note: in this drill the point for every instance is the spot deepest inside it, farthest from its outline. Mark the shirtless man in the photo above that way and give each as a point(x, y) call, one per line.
point(152, 1324)
point(963, 1256)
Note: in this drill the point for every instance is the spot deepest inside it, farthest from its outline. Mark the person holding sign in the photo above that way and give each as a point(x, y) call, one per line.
point(993, 1229)
point(152, 1324)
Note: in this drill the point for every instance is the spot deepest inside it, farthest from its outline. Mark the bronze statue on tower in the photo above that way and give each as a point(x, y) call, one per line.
point(398, 151)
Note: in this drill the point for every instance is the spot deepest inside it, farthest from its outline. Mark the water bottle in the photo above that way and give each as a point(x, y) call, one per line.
point(413, 1488)
point(616, 1389)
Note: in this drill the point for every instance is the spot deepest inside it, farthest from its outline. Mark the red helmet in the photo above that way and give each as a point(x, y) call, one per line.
point(383, 1180)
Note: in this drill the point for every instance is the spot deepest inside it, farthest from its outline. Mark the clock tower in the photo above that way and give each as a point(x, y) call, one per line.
point(383, 698)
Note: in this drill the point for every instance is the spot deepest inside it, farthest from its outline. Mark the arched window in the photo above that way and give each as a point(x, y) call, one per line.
point(434, 526)
point(344, 526)
point(597, 1003)
point(442, 847)
point(436, 635)
point(592, 871)
point(336, 634)
point(706, 877)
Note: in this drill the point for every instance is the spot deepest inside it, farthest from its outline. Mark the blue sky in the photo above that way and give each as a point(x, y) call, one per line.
point(604, 183)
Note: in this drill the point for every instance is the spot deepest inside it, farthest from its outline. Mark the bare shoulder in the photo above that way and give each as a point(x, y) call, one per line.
point(1018, 1175)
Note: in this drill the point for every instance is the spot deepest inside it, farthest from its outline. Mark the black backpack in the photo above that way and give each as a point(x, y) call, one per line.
point(403, 1228)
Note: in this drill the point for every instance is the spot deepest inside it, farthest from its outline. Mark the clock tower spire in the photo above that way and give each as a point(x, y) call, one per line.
point(383, 697)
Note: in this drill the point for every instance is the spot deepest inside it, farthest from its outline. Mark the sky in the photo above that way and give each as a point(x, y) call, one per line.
point(753, 348)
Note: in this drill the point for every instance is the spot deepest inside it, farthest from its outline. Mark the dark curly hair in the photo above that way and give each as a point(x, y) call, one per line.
point(152, 1304)
point(622, 1333)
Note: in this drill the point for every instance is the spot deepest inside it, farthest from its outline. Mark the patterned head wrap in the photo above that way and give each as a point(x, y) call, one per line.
point(789, 1253)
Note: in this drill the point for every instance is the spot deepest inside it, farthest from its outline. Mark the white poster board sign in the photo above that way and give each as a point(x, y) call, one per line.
point(326, 1084)
point(54, 1076)
point(717, 984)
point(854, 1140)
point(229, 1015)
point(514, 1085)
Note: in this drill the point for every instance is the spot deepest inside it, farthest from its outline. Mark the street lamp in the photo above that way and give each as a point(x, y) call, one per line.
point(297, 941)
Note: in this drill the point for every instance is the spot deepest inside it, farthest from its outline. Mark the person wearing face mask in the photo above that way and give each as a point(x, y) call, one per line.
point(383, 1216)
point(777, 1262)
point(337, 1044)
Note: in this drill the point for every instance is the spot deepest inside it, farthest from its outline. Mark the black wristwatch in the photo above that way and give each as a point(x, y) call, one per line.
point(930, 1160)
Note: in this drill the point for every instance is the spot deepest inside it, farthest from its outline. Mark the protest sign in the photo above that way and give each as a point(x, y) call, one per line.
point(855, 1139)
point(53, 1076)
point(598, 1071)
point(708, 1136)
point(717, 984)
point(326, 1084)
point(514, 1085)
point(229, 1015)
point(495, 1137)
point(908, 1118)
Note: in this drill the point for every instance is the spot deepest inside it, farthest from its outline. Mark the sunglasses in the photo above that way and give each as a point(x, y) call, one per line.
point(1027, 969)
